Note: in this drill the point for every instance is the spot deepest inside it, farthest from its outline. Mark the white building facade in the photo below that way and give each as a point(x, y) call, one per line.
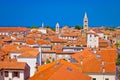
point(102, 76)
point(92, 40)
point(32, 61)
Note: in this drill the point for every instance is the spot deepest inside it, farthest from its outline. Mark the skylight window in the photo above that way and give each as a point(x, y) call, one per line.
point(69, 69)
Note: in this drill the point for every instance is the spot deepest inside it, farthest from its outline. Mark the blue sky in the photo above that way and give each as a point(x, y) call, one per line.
point(66, 12)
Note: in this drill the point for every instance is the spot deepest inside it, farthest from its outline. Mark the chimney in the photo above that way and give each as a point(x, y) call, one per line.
point(18, 47)
point(102, 65)
point(103, 70)
point(94, 51)
point(81, 62)
point(40, 49)
point(57, 63)
point(99, 50)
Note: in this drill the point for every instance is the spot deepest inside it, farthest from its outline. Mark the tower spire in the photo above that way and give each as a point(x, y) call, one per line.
point(57, 27)
point(42, 25)
point(85, 15)
point(85, 22)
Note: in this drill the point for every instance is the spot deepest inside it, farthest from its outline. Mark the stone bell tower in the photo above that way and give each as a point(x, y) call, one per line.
point(57, 28)
point(85, 23)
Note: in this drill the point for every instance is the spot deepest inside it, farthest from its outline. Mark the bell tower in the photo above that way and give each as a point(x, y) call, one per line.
point(57, 28)
point(85, 22)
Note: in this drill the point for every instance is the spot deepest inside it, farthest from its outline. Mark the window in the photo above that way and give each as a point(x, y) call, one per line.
point(94, 78)
point(1, 73)
point(15, 56)
point(6, 73)
point(104, 37)
point(90, 35)
point(50, 58)
point(85, 25)
point(15, 74)
point(106, 78)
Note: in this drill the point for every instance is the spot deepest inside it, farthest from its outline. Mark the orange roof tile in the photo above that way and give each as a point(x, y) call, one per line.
point(57, 48)
point(1, 41)
point(7, 39)
point(92, 64)
point(12, 65)
point(53, 72)
point(77, 43)
point(107, 32)
point(31, 53)
point(15, 48)
point(69, 34)
point(30, 41)
point(13, 29)
point(102, 40)
point(54, 40)
point(110, 67)
point(108, 54)
point(41, 41)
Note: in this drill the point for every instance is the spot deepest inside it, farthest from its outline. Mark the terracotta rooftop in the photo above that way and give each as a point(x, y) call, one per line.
point(92, 64)
point(13, 29)
point(31, 53)
point(41, 41)
point(54, 70)
point(69, 34)
point(56, 40)
point(12, 65)
point(30, 41)
point(15, 48)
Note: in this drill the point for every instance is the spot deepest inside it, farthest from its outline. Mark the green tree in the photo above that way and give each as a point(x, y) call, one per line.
point(117, 44)
point(118, 59)
point(78, 27)
point(111, 29)
point(106, 28)
point(64, 59)
point(50, 28)
point(34, 27)
point(53, 29)
point(47, 61)
point(47, 26)
point(119, 74)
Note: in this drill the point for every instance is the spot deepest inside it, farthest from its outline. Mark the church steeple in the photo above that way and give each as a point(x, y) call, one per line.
point(57, 27)
point(42, 25)
point(85, 15)
point(85, 22)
